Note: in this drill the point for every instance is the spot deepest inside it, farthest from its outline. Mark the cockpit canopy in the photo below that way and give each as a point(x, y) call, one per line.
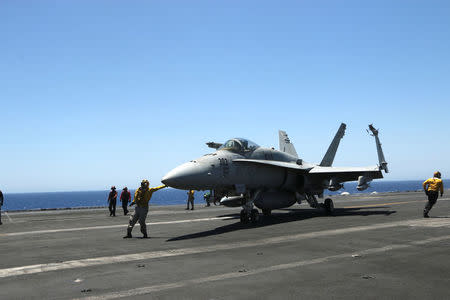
point(239, 145)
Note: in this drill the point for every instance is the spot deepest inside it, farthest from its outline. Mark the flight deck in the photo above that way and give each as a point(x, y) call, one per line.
point(372, 247)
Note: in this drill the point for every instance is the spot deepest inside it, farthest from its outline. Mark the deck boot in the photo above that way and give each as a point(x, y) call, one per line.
point(128, 236)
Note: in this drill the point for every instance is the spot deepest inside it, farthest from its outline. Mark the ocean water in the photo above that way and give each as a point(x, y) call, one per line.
point(30, 201)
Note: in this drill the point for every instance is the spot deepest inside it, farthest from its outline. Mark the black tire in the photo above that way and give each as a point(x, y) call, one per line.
point(244, 217)
point(267, 212)
point(254, 216)
point(329, 206)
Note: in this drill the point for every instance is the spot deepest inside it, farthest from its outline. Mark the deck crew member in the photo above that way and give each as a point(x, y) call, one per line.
point(1, 204)
point(207, 197)
point(125, 198)
point(432, 187)
point(112, 199)
point(141, 198)
point(190, 199)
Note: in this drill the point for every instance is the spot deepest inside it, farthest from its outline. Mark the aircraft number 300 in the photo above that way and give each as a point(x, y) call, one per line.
point(224, 164)
point(223, 161)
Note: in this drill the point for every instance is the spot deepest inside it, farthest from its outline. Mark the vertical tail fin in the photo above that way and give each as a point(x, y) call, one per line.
point(285, 143)
point(328, 159)
point(381, 159)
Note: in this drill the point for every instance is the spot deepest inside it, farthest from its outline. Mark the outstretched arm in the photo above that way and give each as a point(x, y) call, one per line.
point(159, 187)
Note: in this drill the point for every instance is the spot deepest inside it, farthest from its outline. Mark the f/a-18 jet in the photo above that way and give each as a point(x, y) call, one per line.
point(241, 173)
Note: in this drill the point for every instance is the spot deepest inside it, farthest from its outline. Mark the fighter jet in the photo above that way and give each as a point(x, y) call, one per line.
point(241, 173)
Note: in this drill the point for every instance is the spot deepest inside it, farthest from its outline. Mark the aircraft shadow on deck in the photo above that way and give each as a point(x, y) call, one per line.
point(280, 218)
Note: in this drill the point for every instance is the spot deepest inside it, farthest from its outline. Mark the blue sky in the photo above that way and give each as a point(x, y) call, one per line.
point(95, 93)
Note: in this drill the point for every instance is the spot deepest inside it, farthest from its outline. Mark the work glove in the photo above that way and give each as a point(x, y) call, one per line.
point(426, 192)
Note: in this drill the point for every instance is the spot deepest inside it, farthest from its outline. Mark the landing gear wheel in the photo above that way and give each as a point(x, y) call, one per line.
point(329, 206)
point(267, 212)
point(254, 216)
point(244, 217)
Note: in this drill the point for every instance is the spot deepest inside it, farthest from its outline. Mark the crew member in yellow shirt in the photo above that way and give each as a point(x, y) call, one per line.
point(190, 199)
point(432, 188)
point(141, 198)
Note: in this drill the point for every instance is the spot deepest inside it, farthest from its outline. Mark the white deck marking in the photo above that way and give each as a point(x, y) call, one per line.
point(389, 203)
point(383, 204)
point(233, 275)
point(154, 210)
point(433, 222)
point(9, 218)
point(110, 226)
point(89, 262)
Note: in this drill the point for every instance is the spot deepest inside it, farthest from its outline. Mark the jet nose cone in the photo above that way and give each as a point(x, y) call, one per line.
point(187, 176)
point(169, 179)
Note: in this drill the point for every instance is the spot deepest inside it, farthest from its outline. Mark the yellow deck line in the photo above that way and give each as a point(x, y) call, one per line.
point(383, 204)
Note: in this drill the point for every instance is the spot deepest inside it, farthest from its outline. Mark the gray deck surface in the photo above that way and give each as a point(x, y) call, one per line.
point(374, 247)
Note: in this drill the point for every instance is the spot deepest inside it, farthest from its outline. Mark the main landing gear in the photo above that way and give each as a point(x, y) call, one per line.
point(327, 205)
point(249, 213)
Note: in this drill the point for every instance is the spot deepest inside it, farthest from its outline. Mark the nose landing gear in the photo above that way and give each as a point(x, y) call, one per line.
point(249, 213)
point(251, 216)
point(267, 212)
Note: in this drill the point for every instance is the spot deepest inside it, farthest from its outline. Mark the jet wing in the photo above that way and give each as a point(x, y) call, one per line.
point(342, 174)
point(274, 163)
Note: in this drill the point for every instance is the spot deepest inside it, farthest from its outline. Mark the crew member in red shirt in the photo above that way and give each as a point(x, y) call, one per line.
point(125, 198)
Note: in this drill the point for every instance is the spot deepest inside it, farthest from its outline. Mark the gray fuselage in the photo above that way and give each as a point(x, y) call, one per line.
point(219, 171)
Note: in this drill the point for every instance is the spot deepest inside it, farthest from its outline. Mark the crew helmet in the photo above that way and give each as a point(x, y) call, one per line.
point(113, 187)
point(437, 174)
point(145, 182)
